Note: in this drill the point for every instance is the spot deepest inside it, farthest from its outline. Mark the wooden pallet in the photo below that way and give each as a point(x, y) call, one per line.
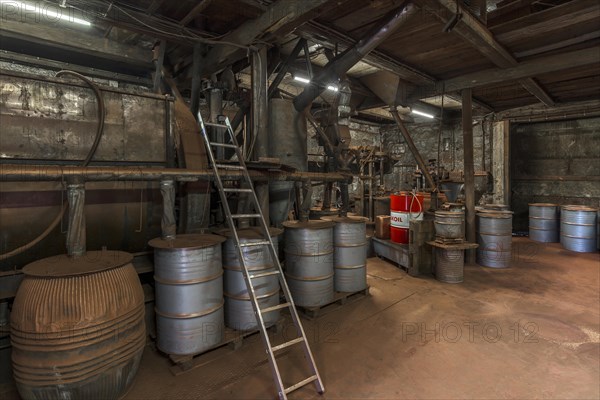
point(232, 340)
point(339, 299)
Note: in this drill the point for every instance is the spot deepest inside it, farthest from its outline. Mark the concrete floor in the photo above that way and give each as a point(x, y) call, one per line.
point(531, 331)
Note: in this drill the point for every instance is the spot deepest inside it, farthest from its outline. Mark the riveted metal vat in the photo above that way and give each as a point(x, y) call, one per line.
point(449, 265)
point(578, 228)
point(494, 236)
point(309, 261)
point(239, 313)
point(450, 224)
point(77, 327)
point(188, 277)
point(544, 222)
point(350, 253)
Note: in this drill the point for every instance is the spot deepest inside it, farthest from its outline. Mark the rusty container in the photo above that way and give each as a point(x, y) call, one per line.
point(382, 227)
point(77, 327)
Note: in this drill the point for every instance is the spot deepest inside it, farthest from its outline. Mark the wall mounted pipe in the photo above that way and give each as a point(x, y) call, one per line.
point(76, 244)
point(168, 224)
point(344, 61)
point(41, 173)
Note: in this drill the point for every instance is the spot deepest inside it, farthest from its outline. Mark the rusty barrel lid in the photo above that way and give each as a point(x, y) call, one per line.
point(190, 241)
point(64, 266)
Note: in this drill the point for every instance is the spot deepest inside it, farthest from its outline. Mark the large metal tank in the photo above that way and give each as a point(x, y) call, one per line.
point(239, 313)
point(309, 261)
point(350, 253)
point(77, 327)
point(188, 275)
point(578, 228)
point(544, 222)
point(288, 143)
point(494, 236)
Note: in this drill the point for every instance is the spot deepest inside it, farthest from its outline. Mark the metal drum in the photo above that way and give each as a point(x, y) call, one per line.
point(239, 313)
point(77, 327)
point(496, 207)
point(578, 228)
point(544, 222)
point(350, 253)
point(494, 236)
point(188, 274)
point(309, 261)
point(449, 265)
point(450, 224)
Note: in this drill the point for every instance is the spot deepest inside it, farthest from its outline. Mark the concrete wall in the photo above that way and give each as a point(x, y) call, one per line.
point(554, 162)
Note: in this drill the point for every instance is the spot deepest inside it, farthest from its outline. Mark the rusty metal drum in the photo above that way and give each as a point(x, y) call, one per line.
point(188, 275)
point(77, 327)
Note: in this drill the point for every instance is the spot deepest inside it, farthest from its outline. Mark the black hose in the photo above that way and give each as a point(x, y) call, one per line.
point(90, 155)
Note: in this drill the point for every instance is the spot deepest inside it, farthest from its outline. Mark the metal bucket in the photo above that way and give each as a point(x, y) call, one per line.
point(189, 293)
point(449, 265)
point(494, 236)
point(239, 313)
point(77, 327)
point(578, 228)
point(544, 222)
point(309, 261)
point(450, 224)
point(350, 253)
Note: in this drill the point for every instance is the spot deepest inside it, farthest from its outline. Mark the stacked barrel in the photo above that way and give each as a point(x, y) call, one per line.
point(578, 225)
point(544, 219)
point(494, 236)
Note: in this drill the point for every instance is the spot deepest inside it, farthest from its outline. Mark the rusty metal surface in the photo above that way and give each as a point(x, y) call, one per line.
point(55, 119)
point(72, 342)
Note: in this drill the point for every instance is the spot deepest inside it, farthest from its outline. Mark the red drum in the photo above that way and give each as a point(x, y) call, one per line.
point(404, 207)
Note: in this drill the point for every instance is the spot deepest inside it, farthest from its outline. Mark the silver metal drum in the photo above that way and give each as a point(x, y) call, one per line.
point(239, 313)
point(544, 222)
point(450, 224)
point(494, 236)
point(578, 228)
point(350, 253)
point(189, 293)
point(449, 265)
point(309, 261)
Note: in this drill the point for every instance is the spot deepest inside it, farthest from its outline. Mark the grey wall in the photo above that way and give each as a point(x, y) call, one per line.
point(554, 162)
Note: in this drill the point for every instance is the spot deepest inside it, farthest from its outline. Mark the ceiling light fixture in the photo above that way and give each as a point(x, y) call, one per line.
point(331, 87)
point(301, 79)
point(46, 13)
point(422, 114)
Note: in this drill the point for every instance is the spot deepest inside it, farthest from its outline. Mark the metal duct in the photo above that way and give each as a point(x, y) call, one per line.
point(344, 61)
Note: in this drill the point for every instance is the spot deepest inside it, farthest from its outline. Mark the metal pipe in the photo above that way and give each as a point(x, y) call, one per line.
point(371, 203)
point(469, 169)
point(76, 233)
point(286, 66)
point(168, 224)
point(412, 147)
point(41, 173)
point(344, 61)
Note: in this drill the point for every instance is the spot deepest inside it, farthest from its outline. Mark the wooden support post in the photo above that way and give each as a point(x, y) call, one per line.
point(469, 170)
point(260, 118)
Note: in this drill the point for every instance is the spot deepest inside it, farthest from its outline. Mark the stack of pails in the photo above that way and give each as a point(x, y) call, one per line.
point(350, 253)
point(578, 225)
point(309, 261)
point(188, 275)
point(494, 236)
point(239, 313)
point(544, 222)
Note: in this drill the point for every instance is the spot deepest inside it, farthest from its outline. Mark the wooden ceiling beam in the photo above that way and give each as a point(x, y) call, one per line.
point(194, 12)
point(477, 34)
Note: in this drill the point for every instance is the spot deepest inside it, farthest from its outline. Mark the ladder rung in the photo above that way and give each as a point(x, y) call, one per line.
point(229, 166)
point(230, 146)
point(255, 276)
point(301, 383)
point(273, 308)
point(216, 125)
point(245, 215)
point(287, 344)
point(237, 190)
point(251, 244)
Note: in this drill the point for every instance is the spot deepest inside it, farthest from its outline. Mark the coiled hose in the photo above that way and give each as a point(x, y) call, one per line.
point(88, 158)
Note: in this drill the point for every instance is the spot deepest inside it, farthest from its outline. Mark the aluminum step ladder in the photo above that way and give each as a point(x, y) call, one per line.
point(271, 350)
